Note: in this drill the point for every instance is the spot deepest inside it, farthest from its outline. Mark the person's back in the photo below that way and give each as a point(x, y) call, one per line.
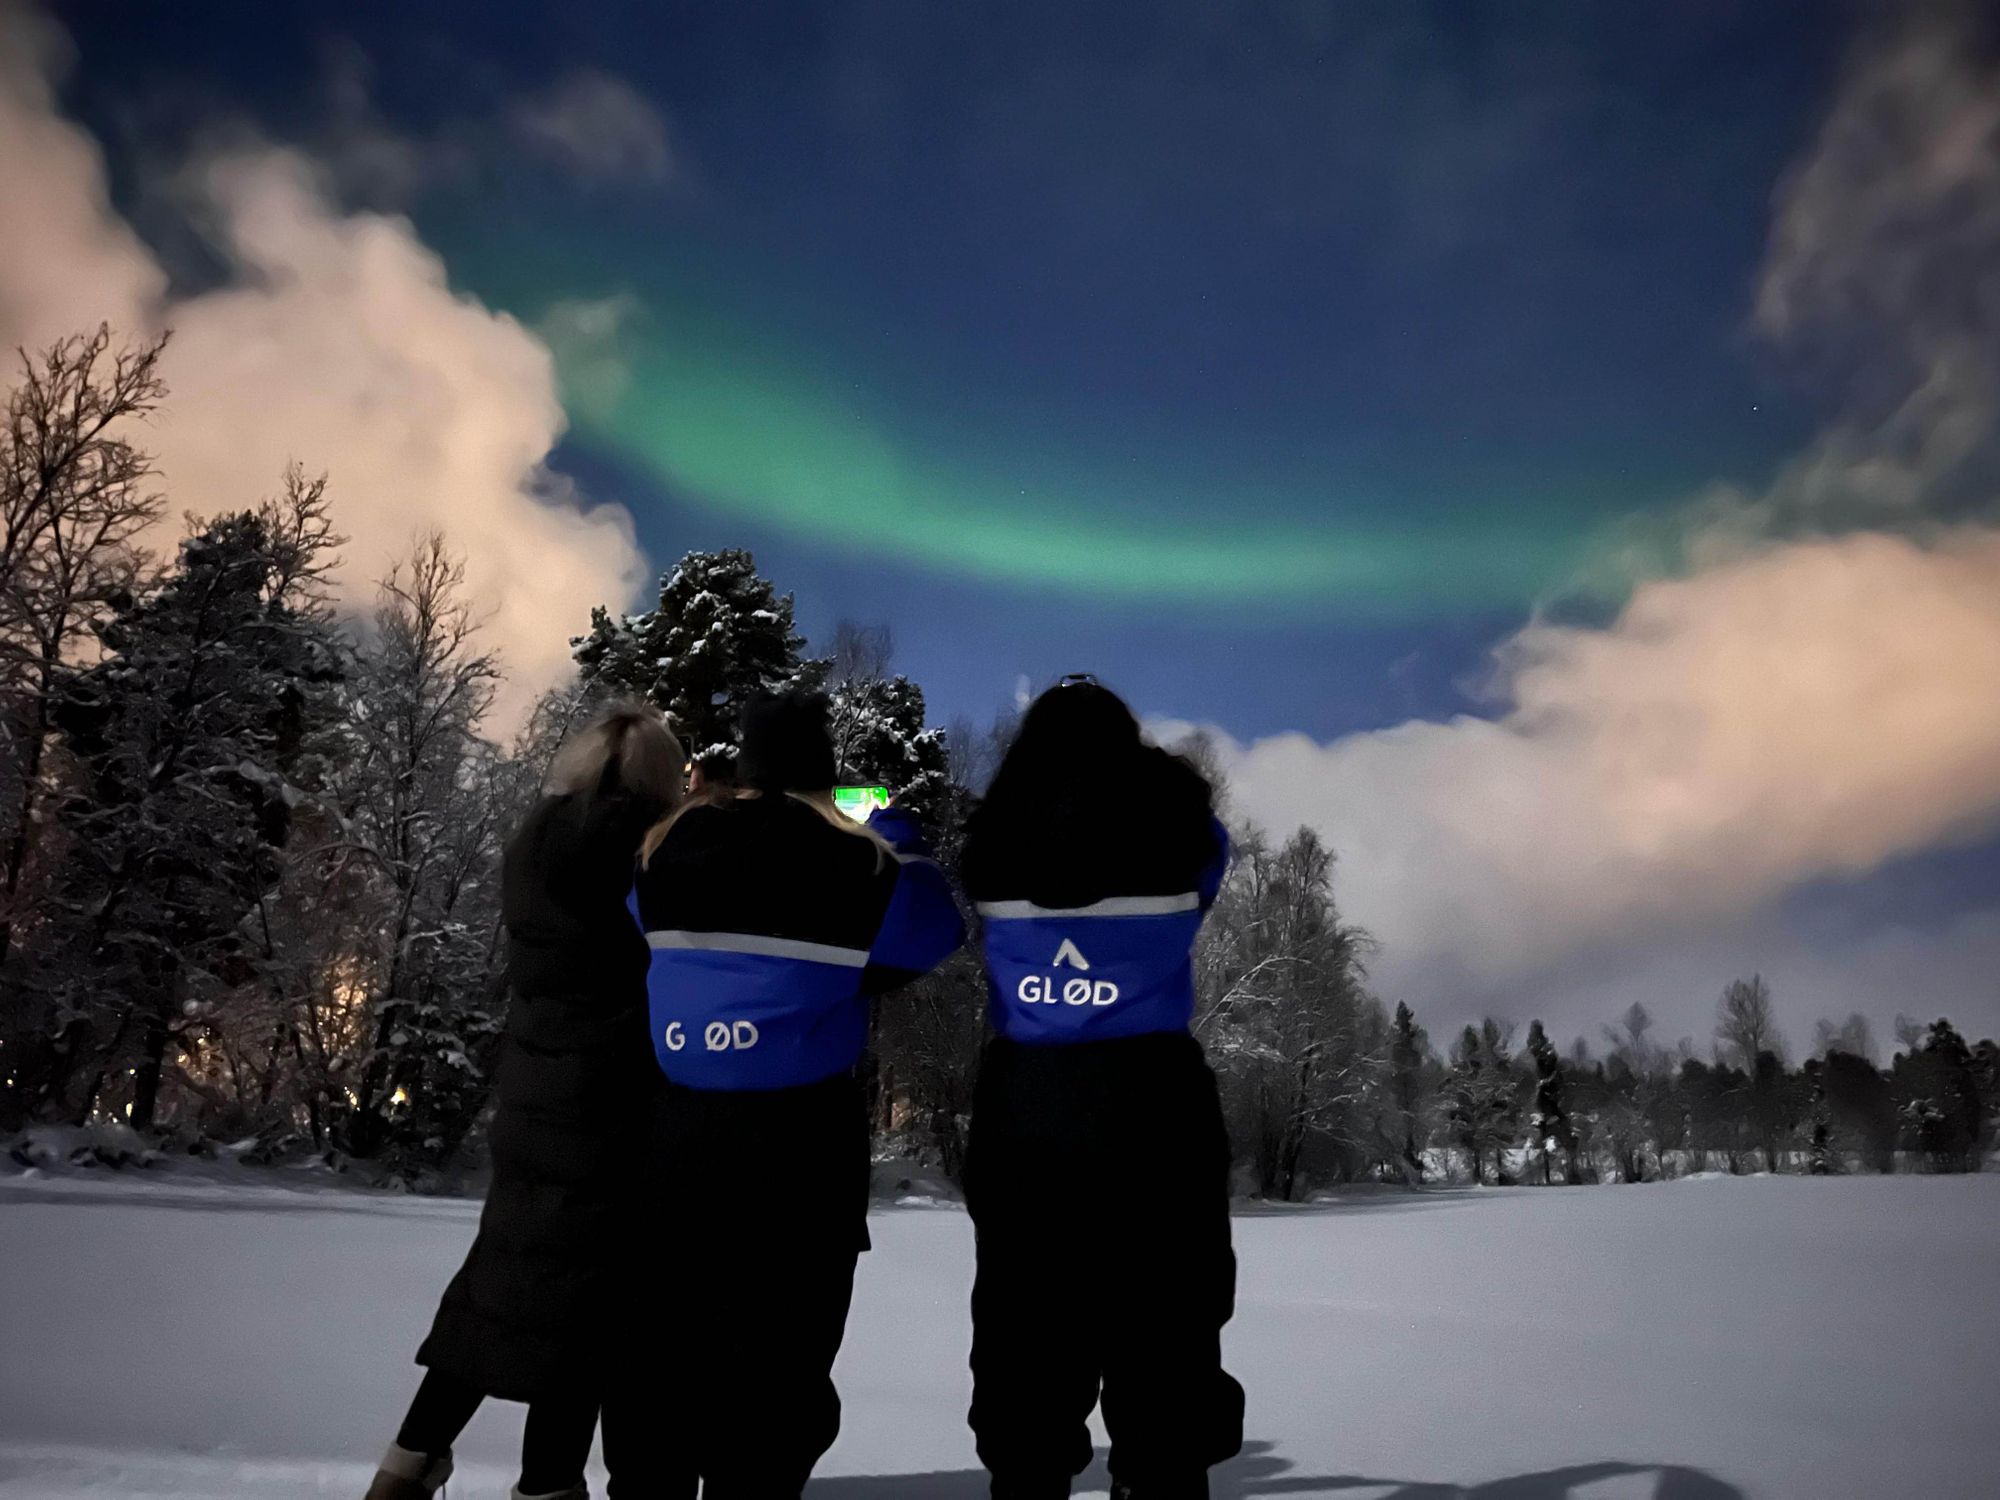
point(527, 1316)
point(1092, 862)
point(772, 922)
point(1091, 893)
point(761, 905)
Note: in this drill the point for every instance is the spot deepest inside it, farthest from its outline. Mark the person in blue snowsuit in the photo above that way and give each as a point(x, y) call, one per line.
point(1098, 1165)
point(772, 921)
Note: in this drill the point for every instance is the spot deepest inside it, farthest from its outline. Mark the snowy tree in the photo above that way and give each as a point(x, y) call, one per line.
point(75, 495)
point(188, 730)
point(1745, 1024)
point(1823, 1157)
point(426, 812)
point(1409, 1067)
point(1775, 1106)
point(924, 1054)
point(1945, 1115)
point(1646, 1109)
point(1619, 1116)
point(1550, 1133)
point(1861, 1108)
point(719, 636)
point(1464, 1096)
point(1300, 1043)
point(1503, 1108)
point(877, 723)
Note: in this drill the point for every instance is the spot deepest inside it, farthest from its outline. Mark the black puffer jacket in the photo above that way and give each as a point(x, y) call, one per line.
point(574, 1086)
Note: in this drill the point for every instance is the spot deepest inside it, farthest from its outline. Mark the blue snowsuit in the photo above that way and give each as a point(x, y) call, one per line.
point(1098, 1165)
point(769, 931)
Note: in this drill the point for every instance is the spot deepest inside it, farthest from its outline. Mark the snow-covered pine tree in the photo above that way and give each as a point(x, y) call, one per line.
point(1464, 1095)
point(719, 636)
point(188, 730)
point(1409, 1050)
point(879, 734)
point(1823, 1157)
point(1552, 1135)
point(1938, 1091)
point(1500, 1113)
point(1861, 1107)
point(1774, 1106)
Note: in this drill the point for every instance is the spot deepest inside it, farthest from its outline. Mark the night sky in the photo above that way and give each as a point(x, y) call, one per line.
point(1269, 369)
point(1275, 363)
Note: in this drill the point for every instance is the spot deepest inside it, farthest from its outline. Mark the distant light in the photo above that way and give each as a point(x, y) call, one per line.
point(401, 1096)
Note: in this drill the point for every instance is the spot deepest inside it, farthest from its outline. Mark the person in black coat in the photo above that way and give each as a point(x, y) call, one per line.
point(526, 1317)
point(773, 922)
point(1097, 1170)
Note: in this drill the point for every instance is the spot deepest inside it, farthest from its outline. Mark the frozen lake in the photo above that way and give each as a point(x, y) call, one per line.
point(1813, 1339)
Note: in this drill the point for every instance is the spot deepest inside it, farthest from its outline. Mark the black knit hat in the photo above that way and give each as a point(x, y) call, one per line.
point(783, 744)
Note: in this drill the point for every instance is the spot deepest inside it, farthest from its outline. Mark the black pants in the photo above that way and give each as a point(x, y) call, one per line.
point(1098, 1178)
point(761, 1204)
point(555, 1443)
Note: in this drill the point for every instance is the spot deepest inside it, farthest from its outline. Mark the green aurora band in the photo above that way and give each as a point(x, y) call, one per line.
point(781, 452)
point(781, 419)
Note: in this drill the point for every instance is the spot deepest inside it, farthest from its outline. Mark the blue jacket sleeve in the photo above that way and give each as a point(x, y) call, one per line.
point(900, 827)
point(1211, 878)
point(922, 926)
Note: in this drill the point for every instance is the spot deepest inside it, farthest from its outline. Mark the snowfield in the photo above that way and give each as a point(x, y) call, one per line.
point(1700, 1340)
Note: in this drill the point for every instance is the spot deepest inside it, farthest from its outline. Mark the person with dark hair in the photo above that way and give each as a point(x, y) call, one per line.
point(527, 1316)
point(773, 920)
point(1098, 1167)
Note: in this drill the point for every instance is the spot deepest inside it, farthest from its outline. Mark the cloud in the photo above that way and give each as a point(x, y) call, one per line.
point(1812, 710)
point(589, 338)
point(1883, 275)
point(66, 260)
point(336, 341)
point(596, 126)
point(1812, 696)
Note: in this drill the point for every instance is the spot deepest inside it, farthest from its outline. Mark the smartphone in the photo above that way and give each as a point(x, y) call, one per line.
point(860, 802)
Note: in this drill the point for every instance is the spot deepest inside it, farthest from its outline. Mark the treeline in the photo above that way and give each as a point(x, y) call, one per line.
point(249, 857)
point(250, 845)
point(1325, 1085)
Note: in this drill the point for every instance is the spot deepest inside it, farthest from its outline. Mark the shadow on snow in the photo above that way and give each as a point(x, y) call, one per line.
point(1259, 1471)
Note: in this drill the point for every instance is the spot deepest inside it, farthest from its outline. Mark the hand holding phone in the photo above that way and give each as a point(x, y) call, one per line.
point(861, 802)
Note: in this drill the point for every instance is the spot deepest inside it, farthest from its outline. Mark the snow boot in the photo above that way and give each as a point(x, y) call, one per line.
point(577, 1491)
point(409, 1476)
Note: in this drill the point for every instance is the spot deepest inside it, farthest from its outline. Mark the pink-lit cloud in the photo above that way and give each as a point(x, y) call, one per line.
point(336, 341)
point(1815, 694)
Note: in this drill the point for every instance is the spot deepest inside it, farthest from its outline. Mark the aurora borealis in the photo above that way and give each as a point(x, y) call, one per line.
point(1359, 380)
point(1354, 330)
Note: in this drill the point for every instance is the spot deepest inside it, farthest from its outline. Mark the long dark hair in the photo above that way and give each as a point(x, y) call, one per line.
point(1084, 807)
point(783, 750)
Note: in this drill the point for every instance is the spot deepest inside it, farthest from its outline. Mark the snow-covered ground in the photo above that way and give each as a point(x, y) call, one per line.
point(1701, 1340)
